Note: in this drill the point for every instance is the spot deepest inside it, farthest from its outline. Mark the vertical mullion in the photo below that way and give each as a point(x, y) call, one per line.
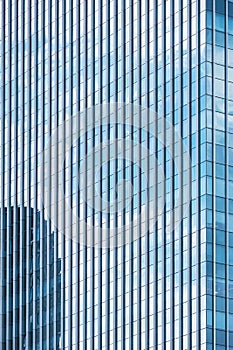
point(21, 191)
point(32, 171)
point(155, 262)
point(180, 183)
point(77, 246)
point(2, 272)
point(91, 98)
point(27, 127)
point(100, 251)
point(198, 320)
point(63, 238)
point(48, 224)
point(147, 226)
point(172, 222)
point(56, 291)
point(138, 244)
point(68, 219)
point(133, 6)
point(14, 202)
point(189, 214)
point(214, 285)
point(2, 209)
point(84, 248)
point(9, 320)
point(163, 241)
point(227, 226)
point(40, 149)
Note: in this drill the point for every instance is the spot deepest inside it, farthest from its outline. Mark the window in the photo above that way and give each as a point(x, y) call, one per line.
point(219, 38)
point(220, 22)
point(230, 9)
point(220, 6)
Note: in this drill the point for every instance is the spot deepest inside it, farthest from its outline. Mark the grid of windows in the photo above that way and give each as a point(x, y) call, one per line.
point(165, 290)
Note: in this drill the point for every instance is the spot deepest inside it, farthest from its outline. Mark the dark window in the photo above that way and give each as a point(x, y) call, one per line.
point(220, 6)
point(209, 5)
point(209, 36)
point(230, 9)
point(220, 337)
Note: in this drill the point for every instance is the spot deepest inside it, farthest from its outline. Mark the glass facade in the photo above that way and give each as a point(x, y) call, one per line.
point(166, 289)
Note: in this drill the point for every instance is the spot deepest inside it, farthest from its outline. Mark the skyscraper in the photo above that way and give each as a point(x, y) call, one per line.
point(116, 174)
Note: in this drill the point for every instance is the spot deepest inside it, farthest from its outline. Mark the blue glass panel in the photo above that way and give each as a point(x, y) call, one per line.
point(220, 6)
point(220, 22)
point(230, 9)
point(220, 320)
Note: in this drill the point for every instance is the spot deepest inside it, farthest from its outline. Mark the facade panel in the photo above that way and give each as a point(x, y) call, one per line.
point(65, 67)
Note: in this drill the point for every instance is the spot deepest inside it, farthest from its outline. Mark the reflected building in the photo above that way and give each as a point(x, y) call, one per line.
point(167, 289)
point(30, 288)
